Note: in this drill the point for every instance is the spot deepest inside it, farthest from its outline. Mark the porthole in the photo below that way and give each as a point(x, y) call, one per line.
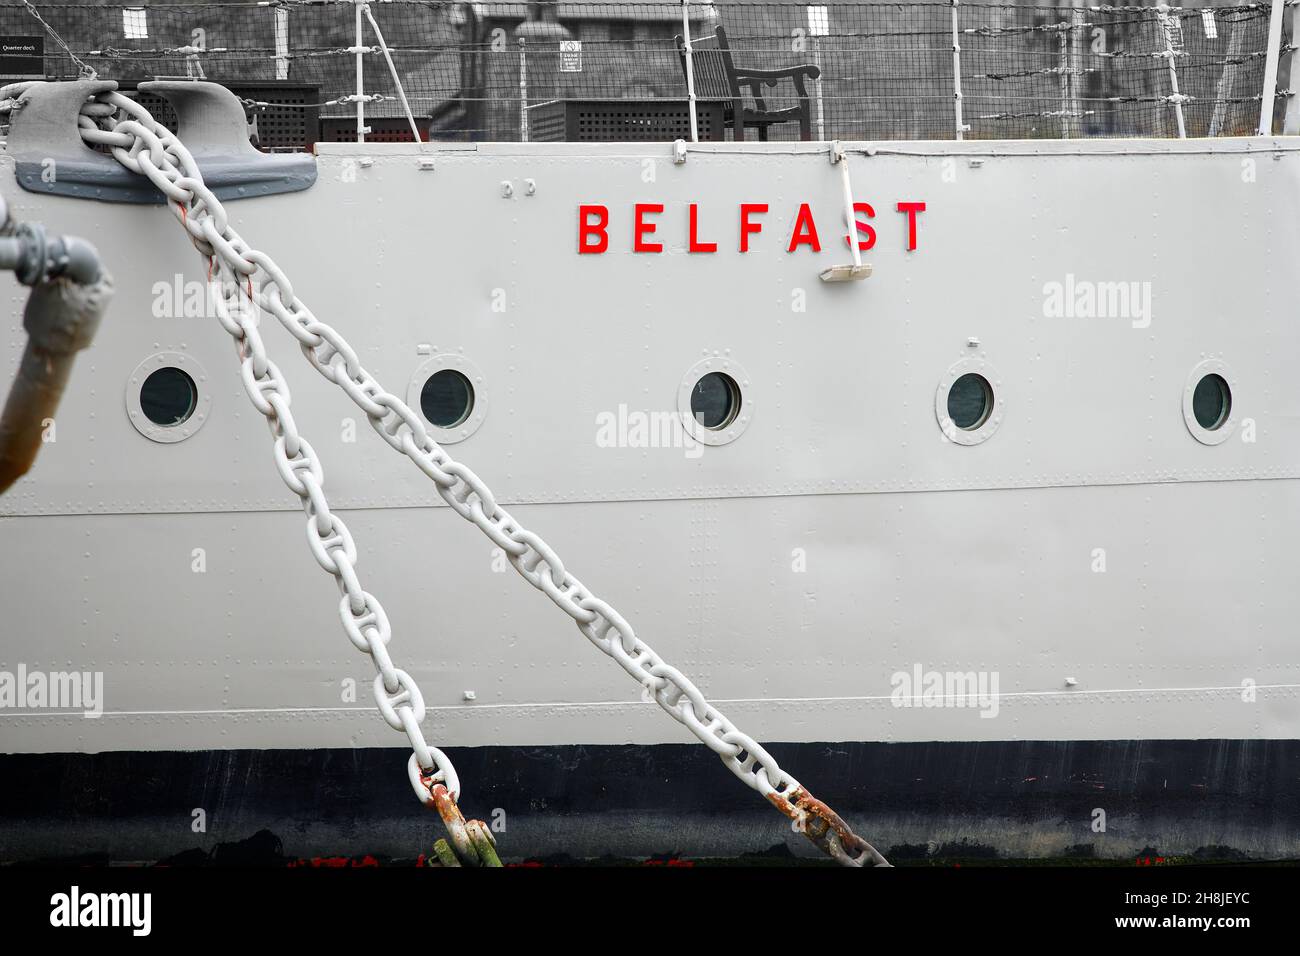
point(970, 402)
point(167, 397)
point(715, 399)
point(1208, 405)
point(1211, 402)
point(450, 393)
point(447, 398)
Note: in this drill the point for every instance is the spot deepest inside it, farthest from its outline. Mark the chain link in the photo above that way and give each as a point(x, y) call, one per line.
point(364, 621)
point(248, 280)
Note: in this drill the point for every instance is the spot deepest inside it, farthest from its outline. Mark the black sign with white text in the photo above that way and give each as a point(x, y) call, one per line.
point(22, 56)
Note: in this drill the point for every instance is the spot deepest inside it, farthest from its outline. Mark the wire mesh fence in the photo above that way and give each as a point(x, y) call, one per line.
point(870, 70)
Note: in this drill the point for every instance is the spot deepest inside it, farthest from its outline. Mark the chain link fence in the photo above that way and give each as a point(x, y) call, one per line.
point(478, 71)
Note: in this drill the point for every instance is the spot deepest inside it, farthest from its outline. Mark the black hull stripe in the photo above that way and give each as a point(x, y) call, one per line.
point(1181, 800)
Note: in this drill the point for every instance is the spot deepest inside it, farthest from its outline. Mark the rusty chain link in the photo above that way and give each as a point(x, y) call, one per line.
point(146, 147)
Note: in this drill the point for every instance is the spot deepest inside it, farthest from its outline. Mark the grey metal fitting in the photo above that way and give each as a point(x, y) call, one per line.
point(34, 258)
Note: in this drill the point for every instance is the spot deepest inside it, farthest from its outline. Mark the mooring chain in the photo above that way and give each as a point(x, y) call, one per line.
point(144, 146)
point(364, 621)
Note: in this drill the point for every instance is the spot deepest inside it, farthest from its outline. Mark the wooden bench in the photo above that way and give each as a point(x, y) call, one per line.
point(717, 78)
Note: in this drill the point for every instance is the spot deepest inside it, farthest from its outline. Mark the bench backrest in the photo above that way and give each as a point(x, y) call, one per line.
point(715, 73)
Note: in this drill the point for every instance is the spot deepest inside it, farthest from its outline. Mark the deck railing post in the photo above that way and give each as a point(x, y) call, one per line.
point(819, 25)
point(358, 51)
point(688, 53)
point(1063, 65)
point(1291, 117)
point(1175, 97)
point(281, 14)
point(821, 102)
point(1071, 60)
point(1269, 92)
point(523, 91)
point(961, 126)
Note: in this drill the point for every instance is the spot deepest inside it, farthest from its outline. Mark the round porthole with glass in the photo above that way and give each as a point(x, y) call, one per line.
point(448, 392)
point(1208, 402)
point(167, 397)
point(716, 401)
point(447, 398)
point(969, 403)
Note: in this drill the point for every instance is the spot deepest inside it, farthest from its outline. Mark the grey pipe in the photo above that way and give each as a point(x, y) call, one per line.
point(34, 258)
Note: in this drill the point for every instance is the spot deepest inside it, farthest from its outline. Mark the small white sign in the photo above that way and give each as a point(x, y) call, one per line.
point(1211, 28)
point(570, 56)
point(819, 21)
point(135, 23)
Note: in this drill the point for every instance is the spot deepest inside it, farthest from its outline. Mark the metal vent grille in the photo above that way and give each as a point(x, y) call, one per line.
point(293, 125)
point(382, 130)
point(291, 122)
point(621, 121)
point(601, 123)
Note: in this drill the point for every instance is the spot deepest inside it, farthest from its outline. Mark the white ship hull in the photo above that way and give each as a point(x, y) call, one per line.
point(1109, 576)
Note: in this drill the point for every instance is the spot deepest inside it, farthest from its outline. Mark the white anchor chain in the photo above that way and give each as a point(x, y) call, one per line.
point(146, 147)
point(396, 693)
